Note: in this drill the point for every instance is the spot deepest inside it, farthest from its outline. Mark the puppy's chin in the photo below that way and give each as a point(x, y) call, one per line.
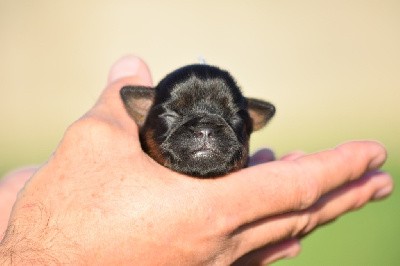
point(203, 164)
point(206, 162)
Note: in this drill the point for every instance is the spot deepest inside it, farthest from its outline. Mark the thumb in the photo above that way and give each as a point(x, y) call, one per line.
point(129, 70)
point(128, 67)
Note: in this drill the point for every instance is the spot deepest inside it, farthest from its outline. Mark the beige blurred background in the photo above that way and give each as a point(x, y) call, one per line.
point(332, 68)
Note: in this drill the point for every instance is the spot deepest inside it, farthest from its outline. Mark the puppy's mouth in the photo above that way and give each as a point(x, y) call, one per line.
point(204, 152)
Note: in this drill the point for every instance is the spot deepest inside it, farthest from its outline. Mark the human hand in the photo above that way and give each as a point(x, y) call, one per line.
point(100, 200)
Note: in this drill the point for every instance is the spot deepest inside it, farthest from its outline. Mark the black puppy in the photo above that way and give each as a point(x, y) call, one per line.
point(196, 121)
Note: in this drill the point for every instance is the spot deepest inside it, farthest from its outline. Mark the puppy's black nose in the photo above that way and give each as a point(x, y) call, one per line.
point(203, 132)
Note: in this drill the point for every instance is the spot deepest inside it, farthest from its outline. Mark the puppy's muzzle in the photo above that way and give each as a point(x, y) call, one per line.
point(206, 133)
point(205, 139)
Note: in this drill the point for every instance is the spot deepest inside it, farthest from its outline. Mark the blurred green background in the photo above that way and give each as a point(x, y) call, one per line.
point(332, 68)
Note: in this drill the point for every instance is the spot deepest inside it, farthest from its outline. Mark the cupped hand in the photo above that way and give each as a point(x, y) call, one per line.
point(100, 200)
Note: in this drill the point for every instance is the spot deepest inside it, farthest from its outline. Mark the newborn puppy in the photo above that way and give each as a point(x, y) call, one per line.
point(196, 121)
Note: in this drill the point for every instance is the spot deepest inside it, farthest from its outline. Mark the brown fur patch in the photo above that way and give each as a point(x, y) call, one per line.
point(152, 148)
point(243, 160)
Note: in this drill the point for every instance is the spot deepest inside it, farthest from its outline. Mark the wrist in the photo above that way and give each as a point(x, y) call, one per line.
point(20, 250)
point(33, 242)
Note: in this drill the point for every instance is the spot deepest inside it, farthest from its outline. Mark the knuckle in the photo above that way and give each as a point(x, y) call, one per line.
point(84, 134)
point(307, 191)
point(357, 204)
point(345, 156)
point(86, 123)
point(360, 199)
point(89, 127)
point(304, 223)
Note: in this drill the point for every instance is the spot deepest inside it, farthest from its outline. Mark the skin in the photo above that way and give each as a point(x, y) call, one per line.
point(100, 200)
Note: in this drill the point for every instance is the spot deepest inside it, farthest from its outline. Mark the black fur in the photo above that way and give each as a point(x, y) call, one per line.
point(196, 120)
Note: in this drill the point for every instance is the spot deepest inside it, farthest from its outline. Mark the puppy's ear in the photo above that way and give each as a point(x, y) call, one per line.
point(260, 112)
point(137, 101)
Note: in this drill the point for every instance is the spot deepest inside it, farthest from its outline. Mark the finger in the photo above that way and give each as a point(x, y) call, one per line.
point(287, 249)
point(293, 225)
point(10, 185)
point(108, 122)
point(373, 186)
point(293, 156)
point(129, 70)
point(129, 66)
point(282, 186)
point(262, 156)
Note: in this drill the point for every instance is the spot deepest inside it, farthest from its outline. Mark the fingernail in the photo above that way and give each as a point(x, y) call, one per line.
point(383, 192)
point(379, 160)
point(386, 183)
point(125, 67)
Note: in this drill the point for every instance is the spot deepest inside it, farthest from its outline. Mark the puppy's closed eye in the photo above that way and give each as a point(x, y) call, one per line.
point(170, 116)
point(196, 120)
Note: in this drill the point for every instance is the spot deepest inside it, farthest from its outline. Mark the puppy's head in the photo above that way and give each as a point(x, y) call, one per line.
point(196, 120)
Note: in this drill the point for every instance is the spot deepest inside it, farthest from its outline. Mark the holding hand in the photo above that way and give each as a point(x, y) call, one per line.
point(101, 200)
